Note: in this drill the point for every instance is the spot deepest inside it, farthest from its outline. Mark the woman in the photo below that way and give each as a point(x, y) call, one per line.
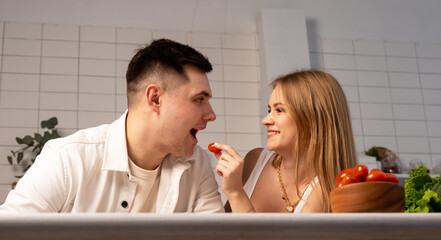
point(309, 142)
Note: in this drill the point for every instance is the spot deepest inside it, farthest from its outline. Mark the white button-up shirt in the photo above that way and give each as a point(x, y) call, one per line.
point(88, 171)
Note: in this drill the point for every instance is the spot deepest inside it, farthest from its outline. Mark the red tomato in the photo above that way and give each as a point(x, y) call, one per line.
point(342, 174)
point(360, 172)
point(375, 170)
point(376, 176)
point(348, 179)
point(391, 178)
point(213, 149)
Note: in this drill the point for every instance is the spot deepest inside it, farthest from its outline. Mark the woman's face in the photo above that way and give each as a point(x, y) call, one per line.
point(280, 125)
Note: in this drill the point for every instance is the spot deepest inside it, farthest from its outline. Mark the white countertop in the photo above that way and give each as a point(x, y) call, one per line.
point(221, 226)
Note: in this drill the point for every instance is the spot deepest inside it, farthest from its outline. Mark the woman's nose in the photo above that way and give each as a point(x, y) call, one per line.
point(267, 120)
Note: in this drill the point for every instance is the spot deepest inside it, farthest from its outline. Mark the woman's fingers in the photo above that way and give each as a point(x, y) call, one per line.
point(229, 149)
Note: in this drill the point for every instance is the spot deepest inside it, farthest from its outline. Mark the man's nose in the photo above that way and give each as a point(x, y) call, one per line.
point(210, 115)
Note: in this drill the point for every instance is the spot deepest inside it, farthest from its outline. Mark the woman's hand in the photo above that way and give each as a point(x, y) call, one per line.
point(230, 167)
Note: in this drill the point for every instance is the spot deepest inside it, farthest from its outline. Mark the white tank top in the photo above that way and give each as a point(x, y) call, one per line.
point(257, 170)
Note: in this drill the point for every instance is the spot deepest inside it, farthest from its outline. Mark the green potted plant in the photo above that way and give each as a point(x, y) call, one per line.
point(373, 152)
point(22, 159)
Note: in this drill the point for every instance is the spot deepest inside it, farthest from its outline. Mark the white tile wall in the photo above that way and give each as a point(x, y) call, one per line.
point(433, 113)
point(339, 46)
point(240, 57)
point(77, 73)
point(52, 48)
point(370, 63)
point(22, 30)
point(400, 49)
point(371, 78)
point(61, 32)
point(56, 65)
point(398, 85)
point(429, 65)
point(97, 50)
point(19, 64)
point(22, 47)
point(58, 83)
point(173, 35)
point(398, 64)
point(19, 82)
point(133, 36)
point(98, 34)
point(207, 40)
point(92, 84)
point(428, 50)
point(240, 41)
point(430, 81)
point(334, 61)
point(399, 79)
point(58, 101)
point(363, 47)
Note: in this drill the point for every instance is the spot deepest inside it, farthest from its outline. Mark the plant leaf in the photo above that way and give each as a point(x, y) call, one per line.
point(19, 157)
point(43, 124)
point(28, 140)
point(38, 137)
point(19, 140)
point(52, 122)
point(10, 160)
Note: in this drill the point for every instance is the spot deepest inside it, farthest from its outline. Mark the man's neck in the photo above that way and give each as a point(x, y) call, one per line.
point(140, 148)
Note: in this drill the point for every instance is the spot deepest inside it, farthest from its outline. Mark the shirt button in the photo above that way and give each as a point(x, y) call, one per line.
point(124, 204)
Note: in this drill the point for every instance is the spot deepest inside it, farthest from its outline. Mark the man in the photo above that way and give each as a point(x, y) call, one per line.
point(145, 161)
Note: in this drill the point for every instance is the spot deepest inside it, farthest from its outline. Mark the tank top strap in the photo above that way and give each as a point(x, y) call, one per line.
point(305, 196)
point(249, 186)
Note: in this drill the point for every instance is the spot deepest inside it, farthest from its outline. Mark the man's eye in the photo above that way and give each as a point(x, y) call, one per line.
point(199, 100)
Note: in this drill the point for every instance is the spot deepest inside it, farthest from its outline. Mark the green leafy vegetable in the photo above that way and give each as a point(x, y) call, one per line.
point(422, 192)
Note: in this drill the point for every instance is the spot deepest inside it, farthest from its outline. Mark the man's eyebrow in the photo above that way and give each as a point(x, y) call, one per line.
point(203, 93)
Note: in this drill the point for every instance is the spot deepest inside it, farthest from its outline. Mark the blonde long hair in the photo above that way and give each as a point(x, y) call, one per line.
point(318, 105)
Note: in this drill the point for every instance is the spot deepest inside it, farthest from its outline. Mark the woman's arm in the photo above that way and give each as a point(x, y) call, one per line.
point(236, 171)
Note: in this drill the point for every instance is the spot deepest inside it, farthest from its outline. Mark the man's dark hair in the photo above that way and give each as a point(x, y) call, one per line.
point(162, 57)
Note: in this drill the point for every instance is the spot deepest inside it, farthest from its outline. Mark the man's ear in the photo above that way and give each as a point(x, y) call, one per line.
point(153, 94)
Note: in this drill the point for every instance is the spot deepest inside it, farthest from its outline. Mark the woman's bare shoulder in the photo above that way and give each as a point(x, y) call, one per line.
point(249, 163)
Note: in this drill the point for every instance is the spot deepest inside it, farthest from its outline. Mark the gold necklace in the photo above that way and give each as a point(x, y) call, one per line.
point(289, 206)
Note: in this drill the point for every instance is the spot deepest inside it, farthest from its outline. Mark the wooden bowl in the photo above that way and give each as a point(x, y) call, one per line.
point(368, 197)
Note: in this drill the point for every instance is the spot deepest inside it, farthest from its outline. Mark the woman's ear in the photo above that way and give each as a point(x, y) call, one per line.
point(153, 94)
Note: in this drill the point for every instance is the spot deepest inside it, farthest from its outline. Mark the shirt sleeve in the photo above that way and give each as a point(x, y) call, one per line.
point(42, 188)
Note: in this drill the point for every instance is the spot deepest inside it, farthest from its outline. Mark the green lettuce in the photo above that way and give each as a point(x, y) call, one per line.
point(422, 192)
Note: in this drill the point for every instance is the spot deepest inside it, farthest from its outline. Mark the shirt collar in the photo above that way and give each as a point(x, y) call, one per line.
point(115, 150)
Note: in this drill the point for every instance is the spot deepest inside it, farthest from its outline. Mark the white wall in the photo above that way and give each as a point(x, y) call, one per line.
point(396, 41)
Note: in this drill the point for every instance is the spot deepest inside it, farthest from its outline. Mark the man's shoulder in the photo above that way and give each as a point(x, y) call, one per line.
point(93, 135)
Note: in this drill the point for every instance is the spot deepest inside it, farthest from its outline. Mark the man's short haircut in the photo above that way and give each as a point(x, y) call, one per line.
point(163, 58)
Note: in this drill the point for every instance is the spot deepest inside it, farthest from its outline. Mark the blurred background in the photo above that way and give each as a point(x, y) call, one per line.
point(67, 58)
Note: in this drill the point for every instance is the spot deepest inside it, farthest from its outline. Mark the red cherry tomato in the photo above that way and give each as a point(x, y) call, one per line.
point(375, 170)
point(360, 172)
point(391, 178)
point(375, 176)
point(213, 149)
point(342, 174)
point(348, 179)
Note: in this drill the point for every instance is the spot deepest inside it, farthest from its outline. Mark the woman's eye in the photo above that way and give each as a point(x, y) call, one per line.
point(279, 110)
